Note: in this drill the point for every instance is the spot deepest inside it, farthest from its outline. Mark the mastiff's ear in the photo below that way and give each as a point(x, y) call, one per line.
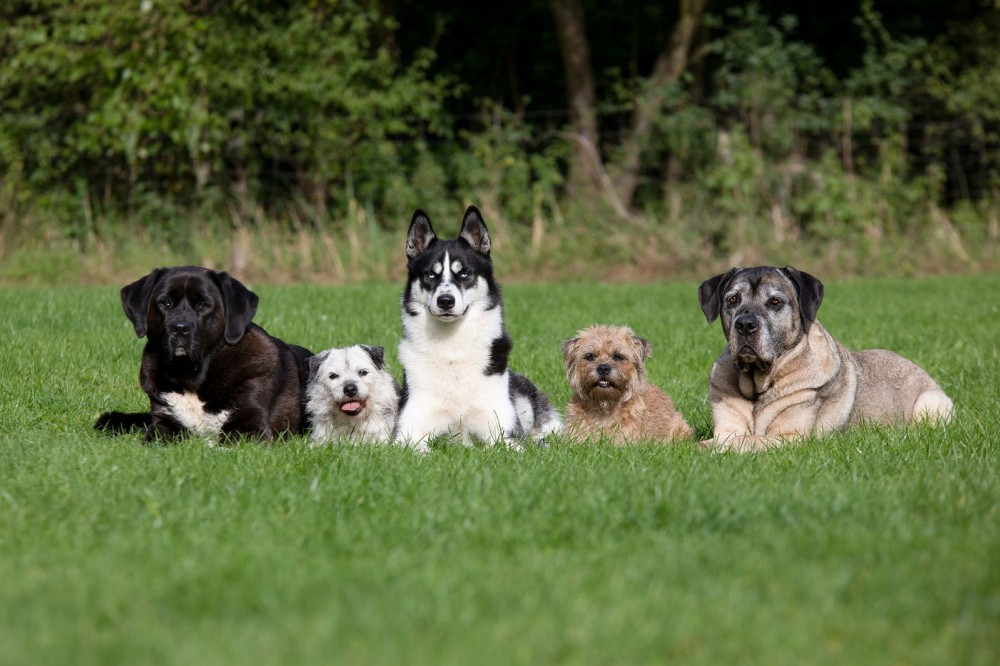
point(135, 299)
point(810, 295)
point(377, 355)
point(240, 304)
point(710, 294)
point(315, 362)
point(420, 235)
point(474, 231)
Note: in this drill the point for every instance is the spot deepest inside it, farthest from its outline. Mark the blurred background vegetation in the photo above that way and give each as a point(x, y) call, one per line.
point(615, 140)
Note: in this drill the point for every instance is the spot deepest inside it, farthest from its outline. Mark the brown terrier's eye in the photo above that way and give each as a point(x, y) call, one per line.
point(618, 356)
point(589, 357)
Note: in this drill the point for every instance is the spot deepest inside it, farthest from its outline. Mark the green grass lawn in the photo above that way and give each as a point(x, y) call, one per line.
point(873, 547)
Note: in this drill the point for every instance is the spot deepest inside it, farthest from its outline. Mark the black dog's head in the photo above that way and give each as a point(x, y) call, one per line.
point(189, 311)
point(765, 311)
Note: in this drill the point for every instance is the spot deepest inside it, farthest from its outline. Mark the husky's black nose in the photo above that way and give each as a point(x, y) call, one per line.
point(746, 324)
point(350, 390)
point(446, 301)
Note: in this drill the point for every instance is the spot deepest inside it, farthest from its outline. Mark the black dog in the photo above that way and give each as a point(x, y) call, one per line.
point(207, 368)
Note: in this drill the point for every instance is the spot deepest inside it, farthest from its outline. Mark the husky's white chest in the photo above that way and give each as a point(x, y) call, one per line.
point(189, 411)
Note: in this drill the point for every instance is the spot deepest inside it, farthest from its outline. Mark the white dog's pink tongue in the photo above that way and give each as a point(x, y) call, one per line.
point(350, 407)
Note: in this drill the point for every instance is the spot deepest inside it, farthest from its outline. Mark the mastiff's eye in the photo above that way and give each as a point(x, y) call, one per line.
point(589, 357)
point(775, 302)
point(733, 300)
point(363, 373)
point(618, 356)
point(334, 375)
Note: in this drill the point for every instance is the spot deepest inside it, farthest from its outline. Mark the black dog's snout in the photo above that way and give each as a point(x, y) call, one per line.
point(350, 390)
point(446, 301)
point(746, 324)
point(603, 370)
point(180, 328)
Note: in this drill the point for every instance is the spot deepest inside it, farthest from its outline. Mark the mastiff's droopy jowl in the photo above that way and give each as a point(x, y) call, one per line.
point(783, 376)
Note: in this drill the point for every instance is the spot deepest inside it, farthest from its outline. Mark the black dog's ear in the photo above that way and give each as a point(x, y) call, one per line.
point(377, 355)
point(135, 300)
point(421, 234)
point(474, 231)
point(316, 361)
point(710, 294)
point(810, 294)
point(240, 304)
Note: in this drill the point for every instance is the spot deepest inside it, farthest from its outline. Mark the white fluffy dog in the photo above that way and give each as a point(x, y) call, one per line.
point(351, 395)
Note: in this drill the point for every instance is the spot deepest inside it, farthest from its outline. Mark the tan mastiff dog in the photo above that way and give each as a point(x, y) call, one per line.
point(783, 376)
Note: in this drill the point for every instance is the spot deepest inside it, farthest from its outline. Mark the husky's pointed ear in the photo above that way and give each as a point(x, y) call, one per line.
point(135, 300)
point(377, 355)
point(421, 234)
point(474, 231)
point(710, 294)
point(810, 294)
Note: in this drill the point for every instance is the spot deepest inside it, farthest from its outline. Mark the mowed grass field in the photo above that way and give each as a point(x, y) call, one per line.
point(880, 546)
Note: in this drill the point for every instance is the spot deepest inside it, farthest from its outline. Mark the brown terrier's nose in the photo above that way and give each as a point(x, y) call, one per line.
point(603, 370)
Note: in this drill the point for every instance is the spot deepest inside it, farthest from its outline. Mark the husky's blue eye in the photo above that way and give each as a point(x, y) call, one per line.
point(430, 276)
point(464, 275)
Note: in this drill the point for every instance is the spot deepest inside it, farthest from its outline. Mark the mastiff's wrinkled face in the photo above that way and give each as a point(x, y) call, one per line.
point(189, 312)
point(765, 311)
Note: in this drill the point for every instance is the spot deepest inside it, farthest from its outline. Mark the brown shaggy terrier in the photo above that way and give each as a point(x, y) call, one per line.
point(606, 369)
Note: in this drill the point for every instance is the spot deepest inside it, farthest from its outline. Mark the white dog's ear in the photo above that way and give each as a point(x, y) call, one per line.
point(474, 231)
point(421, 234)
point(316, 361)
point(377, 355)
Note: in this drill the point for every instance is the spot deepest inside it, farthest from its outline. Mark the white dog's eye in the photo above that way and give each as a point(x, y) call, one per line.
point(363, 373)
point(334, 375)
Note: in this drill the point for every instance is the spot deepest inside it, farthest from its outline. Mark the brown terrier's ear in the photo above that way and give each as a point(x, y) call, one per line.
point(645, 349)
point(569, 349)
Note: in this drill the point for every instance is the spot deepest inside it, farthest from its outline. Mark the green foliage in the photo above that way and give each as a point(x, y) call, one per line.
point(867, 547)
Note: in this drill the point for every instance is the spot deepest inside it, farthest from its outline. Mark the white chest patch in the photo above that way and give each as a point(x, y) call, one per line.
point(188, 410)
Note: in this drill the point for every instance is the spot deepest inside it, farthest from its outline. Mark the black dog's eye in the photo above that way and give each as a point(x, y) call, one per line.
point(334, 375)
point(201, 305)
point(589, 357)
point(618, 356)
point(363, 373)
point(166, 303)
point(734, 300)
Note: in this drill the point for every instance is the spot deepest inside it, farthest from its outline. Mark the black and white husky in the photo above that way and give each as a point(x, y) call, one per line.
point(455, 347)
